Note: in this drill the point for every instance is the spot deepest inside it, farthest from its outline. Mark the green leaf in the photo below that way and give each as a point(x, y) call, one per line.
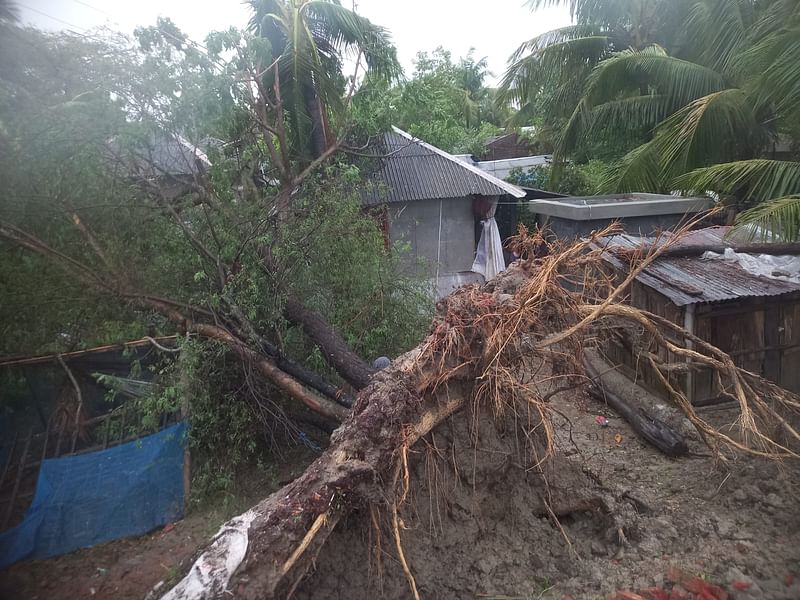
point(777, 220)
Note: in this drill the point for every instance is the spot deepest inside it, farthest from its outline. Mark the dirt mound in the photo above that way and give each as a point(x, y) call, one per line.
point(477, 524)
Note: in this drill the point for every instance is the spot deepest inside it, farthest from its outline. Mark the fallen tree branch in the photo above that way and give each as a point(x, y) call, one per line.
point(335, 350)
point(183, 316)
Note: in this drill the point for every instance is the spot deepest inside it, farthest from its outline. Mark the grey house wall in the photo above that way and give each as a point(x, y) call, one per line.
point(417, 223)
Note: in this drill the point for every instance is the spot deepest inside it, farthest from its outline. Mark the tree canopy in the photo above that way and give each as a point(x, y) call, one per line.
point(445, 102)
point(690, 95)
point(154, 190)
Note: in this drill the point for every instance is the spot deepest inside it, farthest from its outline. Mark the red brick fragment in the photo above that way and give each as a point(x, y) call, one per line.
point(741, 585)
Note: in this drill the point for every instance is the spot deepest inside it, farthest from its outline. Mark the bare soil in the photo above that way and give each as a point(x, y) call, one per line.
point(476, 524)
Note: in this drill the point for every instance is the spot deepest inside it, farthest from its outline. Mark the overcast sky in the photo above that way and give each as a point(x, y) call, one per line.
point(495, 28)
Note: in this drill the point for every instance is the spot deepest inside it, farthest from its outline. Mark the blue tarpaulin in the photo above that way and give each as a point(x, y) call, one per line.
point(88, 499)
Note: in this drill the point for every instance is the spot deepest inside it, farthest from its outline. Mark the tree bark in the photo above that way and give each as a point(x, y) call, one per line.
point(319, 139)
point(335, 350)
point(389, 414)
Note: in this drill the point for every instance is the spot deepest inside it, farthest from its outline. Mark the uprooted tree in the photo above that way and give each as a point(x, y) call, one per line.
point(498, 352)
point(269, 234)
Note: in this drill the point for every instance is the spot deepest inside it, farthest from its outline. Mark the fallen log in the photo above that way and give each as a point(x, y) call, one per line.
point(651, 429)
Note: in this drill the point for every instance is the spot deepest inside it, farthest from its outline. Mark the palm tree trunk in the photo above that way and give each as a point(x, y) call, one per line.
point(319, 138)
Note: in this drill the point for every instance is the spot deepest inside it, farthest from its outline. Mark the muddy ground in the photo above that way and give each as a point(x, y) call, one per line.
point(477, 528)
point(476, 525)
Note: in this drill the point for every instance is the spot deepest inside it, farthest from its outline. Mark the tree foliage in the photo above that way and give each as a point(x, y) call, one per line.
point(693, 95)
point(445, 102)
point(310, 40)
point(114, 224)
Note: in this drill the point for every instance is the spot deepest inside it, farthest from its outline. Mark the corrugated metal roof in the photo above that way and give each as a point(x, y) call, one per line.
point(412, 170)
point(695, 280)
point(169, 154)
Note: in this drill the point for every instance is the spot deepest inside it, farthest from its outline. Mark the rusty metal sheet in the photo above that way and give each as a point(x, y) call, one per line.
point(694, 280)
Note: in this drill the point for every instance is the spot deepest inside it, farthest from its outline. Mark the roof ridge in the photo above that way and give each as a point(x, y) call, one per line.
point(504, 185)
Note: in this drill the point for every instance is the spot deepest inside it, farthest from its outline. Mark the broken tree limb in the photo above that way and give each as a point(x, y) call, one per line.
point(332, 345)
point(183, 316)
point(305, 376)
point(272, 372)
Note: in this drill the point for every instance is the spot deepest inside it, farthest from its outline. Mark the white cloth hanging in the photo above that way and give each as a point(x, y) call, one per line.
point(489, 259)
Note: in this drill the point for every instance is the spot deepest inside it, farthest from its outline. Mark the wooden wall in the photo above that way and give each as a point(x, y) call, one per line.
point(761, 334)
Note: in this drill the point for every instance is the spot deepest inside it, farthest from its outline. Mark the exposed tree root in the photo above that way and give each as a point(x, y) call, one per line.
point(496, 353)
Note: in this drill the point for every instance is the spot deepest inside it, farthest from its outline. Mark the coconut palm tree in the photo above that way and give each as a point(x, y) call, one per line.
point(547, 73)
point(312, 39)
point(711, 103)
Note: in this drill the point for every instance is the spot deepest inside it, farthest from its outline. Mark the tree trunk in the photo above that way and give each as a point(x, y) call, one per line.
point(388, 414)
point(495, 351)
point(334, 348)
point(402, 403)
point(319, 139)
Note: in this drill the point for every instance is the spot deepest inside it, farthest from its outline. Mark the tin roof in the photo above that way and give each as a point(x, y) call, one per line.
point(168, 154)
point(697, 280)
point(411, 169)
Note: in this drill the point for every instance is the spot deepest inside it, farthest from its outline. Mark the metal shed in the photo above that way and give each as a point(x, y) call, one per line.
point(754, 318)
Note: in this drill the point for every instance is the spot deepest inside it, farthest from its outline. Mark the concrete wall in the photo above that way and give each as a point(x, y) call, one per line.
point(417, 223)
point(645, 225)
point(502, 168)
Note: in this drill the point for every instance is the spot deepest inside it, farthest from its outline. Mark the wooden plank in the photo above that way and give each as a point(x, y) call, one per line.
point(704, 381)
point(790, 357)
point(18, 479)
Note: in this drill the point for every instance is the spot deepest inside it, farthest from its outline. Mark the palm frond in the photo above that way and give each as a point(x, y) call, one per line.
point(554, 36)
point(682, 80)
point(775, 62)
point(772, 221)
point(638, 171)
point(716, 31)
point(713, 128)
point(550, 65)
point(589, 11)
point(757, 179)
point(633, 112)
point(351, 33)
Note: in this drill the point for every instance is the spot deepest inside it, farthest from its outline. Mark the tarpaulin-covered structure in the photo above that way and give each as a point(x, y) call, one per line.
point(91, 498)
